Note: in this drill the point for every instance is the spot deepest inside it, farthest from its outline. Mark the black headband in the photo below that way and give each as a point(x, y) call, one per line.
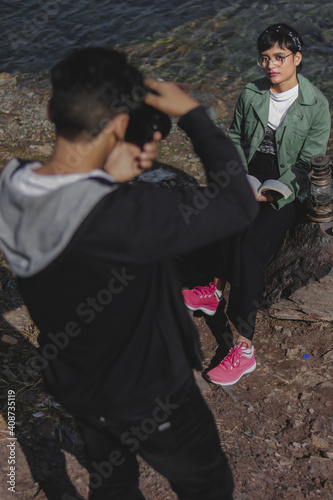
point(294, 37)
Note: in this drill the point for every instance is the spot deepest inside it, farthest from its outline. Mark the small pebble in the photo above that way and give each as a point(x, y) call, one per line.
point(8, 339)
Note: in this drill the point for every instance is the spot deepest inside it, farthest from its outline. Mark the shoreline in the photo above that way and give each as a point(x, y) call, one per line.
point(26, 132)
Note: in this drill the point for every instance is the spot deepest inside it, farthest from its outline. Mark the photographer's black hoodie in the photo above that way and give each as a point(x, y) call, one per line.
point(93, 264)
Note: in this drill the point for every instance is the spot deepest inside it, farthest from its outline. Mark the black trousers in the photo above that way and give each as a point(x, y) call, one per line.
point(177, 437)
point(242, 257)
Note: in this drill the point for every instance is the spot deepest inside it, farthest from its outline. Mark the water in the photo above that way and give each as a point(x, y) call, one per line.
point(183, 39)
point(35, 33)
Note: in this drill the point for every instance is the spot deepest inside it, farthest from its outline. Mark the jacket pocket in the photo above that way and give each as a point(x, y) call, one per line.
point(291, 142)
point(299, 132)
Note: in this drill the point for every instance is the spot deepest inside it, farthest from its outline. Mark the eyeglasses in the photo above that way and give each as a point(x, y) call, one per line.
point(278, 60)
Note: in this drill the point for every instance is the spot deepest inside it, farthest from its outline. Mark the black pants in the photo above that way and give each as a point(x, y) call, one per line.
point(243, 256)
point(177, 437)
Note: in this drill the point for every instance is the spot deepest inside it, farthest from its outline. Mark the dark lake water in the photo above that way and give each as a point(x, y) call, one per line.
point(180, 38)
point(35, 33)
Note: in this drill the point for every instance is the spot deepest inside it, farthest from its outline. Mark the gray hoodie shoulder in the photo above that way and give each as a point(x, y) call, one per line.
point(34, 230)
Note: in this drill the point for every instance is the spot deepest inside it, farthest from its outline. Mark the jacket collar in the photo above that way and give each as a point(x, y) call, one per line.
point(260, 102)
point(306, 96)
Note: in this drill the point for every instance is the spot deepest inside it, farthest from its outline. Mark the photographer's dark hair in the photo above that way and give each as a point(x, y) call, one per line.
point(285, 36)
point(90, 87)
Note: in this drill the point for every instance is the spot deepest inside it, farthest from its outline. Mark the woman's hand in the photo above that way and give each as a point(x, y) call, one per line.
point(266, 196)
point(127, 160)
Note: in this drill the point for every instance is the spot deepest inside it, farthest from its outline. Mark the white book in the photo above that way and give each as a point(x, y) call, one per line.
point(269, 185)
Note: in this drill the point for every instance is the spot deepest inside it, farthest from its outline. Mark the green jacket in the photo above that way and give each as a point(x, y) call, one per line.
point(303, 133)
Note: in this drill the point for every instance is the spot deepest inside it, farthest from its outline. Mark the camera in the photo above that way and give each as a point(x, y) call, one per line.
point(144, 121)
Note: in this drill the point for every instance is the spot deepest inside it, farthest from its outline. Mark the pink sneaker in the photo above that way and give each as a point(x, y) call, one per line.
point(239, 361)
point(203, 298)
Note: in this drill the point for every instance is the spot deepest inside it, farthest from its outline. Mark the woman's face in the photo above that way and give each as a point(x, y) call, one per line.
point(282, 77)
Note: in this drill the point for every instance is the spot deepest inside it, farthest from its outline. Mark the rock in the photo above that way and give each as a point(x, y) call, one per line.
point(285, 462)
point(306, 253)
point(325, 385)
point(320, 443)
point(314, 302)
point(38, 414)
point(18, 318)
point(292, 353)
point(297, 423)
point(7, 78)
point(305, 395)
point(8, 339)
point(320, 466)
point(45, 149)
point(285, 331)
point(328, 356)
point(317, 426)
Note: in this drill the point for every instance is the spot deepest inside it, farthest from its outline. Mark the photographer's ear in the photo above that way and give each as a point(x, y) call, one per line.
point(119, 125)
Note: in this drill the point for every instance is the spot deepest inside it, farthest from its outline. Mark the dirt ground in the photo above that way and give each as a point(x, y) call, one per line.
point(275, 425)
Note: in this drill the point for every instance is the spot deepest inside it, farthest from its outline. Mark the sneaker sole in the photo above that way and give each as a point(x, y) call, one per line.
point(203, 309)
point(249, 370)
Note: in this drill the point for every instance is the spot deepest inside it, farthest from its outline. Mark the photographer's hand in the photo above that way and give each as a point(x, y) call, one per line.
point(148, 152)
point(171, 99)
point(127, 160)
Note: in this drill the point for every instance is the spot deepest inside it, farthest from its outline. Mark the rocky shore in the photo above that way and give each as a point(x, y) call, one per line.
point(276, 425)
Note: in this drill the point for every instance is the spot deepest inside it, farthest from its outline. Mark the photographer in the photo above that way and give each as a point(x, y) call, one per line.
point(92, 256)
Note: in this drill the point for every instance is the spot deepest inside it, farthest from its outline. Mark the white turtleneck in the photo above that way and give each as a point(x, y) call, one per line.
point(279, 105)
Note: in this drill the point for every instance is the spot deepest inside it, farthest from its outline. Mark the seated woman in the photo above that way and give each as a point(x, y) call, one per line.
point(280, 122)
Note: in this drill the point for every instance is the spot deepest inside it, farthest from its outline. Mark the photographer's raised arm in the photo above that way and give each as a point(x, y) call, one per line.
point(210, 143)
point(221, 159)
point(164, 223)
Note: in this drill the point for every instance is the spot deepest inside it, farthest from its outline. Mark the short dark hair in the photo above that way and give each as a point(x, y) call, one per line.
point(90, 87)
point(284, 35)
